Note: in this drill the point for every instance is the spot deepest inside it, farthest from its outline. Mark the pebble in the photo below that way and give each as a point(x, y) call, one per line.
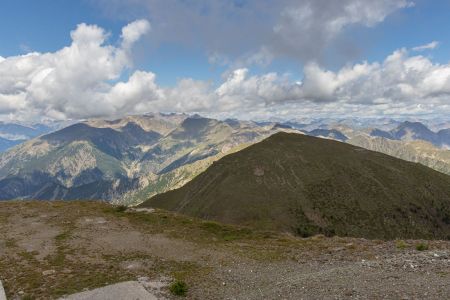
point(48, 272)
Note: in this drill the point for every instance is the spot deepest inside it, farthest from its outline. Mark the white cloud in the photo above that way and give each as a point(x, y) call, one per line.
point(82, 80)
point(400, 85)
point(399, 79)
point(73, 82)
point(429, 46)
point(133, 32)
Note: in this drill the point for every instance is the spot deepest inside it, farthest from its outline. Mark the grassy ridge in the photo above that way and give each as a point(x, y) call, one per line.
point(307, 185)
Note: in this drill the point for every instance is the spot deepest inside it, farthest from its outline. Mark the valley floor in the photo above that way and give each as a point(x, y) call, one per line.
point(52, 249)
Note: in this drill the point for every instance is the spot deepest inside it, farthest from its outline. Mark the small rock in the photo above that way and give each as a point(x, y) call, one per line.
point(338, 249)
point(48, 272)
point(143, 279)
point(258, 171)
point(146, 210)
point(224, 283)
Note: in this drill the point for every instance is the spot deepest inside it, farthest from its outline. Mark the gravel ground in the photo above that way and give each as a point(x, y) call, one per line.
point(50, 250)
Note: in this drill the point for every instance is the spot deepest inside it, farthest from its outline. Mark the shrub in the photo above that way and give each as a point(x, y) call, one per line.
point(121, 208)
point(421, 247)
point(305, 231)
point(178, 288)
point(401, 244)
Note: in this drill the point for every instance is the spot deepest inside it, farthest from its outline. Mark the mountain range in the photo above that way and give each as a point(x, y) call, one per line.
point(410, 141)
point(412, 131)
point(12, 134)
point(121, 159)
point(133, 158)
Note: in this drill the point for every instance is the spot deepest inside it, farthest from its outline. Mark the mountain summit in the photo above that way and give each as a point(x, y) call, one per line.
point(307, 185)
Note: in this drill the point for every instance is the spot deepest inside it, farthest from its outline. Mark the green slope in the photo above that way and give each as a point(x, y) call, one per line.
point(308, 185)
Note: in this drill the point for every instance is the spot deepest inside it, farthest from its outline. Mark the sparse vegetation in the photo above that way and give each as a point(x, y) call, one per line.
point(62, 236)
point(79, 254)
point(178, 288)
point(422, 247)
point(121, 208)
point(401, 244)
point(306, 230)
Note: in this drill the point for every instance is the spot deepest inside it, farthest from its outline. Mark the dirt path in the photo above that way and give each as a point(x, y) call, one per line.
point(53, 249)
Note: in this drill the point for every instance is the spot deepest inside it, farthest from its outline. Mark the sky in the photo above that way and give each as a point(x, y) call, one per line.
point(249, 59)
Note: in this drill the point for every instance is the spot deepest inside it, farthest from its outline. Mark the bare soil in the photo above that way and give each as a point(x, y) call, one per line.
point(52, 249)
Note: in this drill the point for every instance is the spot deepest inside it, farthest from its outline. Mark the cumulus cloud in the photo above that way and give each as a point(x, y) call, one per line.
point(400, 78)
point(73, 82)
point(133, 32)
point(429, 46)
point(400, 85)
point(249, 32)
point(87, 79)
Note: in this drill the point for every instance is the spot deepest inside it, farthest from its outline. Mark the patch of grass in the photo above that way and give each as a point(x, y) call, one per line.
point(178, 288)
point(58, 260)
point(212, 226)
point(179, 226)
point(422, 247)
point(63, 236)
point(443, 273)
point(120, 208)
point(401, 244)
point(27, 255)
point(225, 232)
point(230, 237)
point(10, 243)
point(305, 231)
